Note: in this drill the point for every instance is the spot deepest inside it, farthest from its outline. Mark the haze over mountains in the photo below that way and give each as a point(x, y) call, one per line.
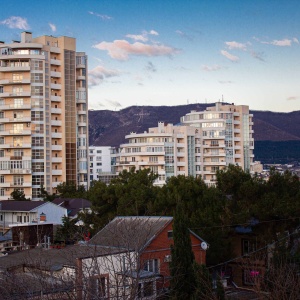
point(276, 135)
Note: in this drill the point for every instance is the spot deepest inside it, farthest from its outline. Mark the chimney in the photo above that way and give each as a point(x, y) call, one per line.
point(26, 37)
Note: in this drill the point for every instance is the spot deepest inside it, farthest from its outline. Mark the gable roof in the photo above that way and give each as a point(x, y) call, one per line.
point(131, 233)
point(11, 205)
point(73, 205)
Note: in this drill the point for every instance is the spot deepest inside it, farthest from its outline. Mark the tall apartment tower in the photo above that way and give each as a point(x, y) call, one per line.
point(43, 115)
point(227, 137)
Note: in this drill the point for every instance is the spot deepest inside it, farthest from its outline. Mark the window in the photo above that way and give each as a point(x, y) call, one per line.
point(248, 246)
point(18, 103)
point(152, 265)
point(97, 287)
point(2, 192)
point(17, 77)
point(18, 128)
point(17, 141)
point(153, 159)
point(2, 179)
point(250, 276)
point(1, 114)
point(170, 234)
point(18, 179)
point(1, 153)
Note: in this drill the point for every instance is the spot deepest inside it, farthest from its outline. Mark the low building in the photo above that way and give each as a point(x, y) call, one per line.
point(128, 257)
point(29, 212)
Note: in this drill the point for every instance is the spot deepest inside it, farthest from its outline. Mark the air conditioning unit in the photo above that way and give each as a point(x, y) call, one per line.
point(168, 258)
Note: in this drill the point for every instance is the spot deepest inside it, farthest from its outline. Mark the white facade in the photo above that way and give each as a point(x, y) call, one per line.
point(100, 161)
point(51, 212)
point(204, 143)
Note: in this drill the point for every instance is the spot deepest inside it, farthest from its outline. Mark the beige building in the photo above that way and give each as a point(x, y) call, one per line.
point(43, 114)
point(204, 143)
point(167, 150)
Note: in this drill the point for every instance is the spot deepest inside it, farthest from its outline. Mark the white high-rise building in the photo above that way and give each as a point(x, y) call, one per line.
point(43, 115)
point(204, 143)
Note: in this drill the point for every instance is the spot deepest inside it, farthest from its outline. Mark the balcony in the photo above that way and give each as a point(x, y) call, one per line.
point(20, 132)
point(20, 171)
point(56, 122)
point(57, 172)
point(55, 50)
point(55, 74)
point(56, 159)
point(55, 86)
point(13, 82)
point(14, 68)
point(56, 111)
point(16, 94)
point(15, 106)
point(55, 98)
point(55, 184)
point(56, 147)
point(57, 135)
point(55, 62)
point(80, 77)
point(81, 112)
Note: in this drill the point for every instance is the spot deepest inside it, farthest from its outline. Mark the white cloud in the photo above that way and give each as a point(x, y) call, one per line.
point(122, 49)
point(102, 17)
point(281, 43)
point(230, 56)
point(16, 22)
point(53, 27)
point(236, 45)
point(153, 32)
point(99, 73)
point(137, 37)
point(211, 68)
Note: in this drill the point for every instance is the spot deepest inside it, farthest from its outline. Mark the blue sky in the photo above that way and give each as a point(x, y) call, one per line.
point(170, 52)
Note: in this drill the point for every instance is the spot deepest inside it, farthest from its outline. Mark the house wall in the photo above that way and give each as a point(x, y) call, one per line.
point(54, 213)
point(160, 249)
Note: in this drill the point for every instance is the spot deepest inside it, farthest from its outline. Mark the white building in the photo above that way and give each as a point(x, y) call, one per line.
point(204, 143)
point(26, 212)
point(100, 161)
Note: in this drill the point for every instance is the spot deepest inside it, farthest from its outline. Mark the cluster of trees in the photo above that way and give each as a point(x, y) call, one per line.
point(212, 212)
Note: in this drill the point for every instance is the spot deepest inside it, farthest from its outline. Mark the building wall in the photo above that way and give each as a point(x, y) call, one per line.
point(100, 161)
point(39, 115)
point(167, 150)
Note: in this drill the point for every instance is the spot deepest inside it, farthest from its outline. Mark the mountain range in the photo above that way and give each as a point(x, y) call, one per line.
point(272, 129)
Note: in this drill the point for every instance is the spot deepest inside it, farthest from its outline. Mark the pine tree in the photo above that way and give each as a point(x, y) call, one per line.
point(183, 281)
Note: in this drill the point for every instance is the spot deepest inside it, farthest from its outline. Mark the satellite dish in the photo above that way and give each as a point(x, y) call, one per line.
point(204, 246)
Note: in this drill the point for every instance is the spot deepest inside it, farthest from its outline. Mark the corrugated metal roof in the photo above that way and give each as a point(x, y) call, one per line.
point(131, 233)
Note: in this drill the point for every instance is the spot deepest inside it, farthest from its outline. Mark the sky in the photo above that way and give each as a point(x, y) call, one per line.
point(175, 52)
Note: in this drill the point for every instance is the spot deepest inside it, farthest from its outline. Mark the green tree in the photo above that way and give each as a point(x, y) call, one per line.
point(71, 190)
point(183, 277)
point(45, 195)
point(18, 195)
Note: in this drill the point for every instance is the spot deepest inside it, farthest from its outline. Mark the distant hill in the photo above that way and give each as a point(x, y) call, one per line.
point(108, 128)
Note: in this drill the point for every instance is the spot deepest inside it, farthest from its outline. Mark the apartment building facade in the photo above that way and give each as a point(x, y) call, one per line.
point(43, 115)
point(227, 137)
point(167, 150)
point(202, 144)
point(100, 161)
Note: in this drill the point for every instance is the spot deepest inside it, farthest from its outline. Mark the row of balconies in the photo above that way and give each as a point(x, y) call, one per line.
point(14, 82)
